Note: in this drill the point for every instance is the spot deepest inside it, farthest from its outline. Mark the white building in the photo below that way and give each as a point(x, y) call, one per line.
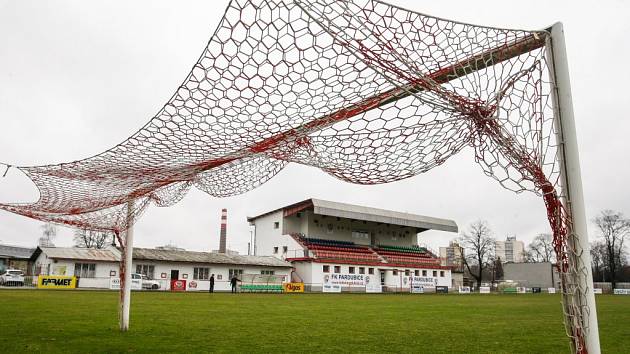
point(351, 247)
point(96, 268)
point(510, 250)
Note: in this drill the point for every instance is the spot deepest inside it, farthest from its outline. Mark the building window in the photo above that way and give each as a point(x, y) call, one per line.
point(395, 272)
point(326, 269)
point(424, 273)
point(201, 273)
point(435, 273)
point(275, 250)
point(330, 228)
point(276, 225)
point(442, 273)
point(351, 270)
point(361, 270)
point(298, 215)
point(416, 273)
point(285, 249)
point(145, 269)
point(407, 272)
point(85, 270)
point(267, 272)
point(370, 270)
point(337, 269)
point(361, 235)
point(235, 272)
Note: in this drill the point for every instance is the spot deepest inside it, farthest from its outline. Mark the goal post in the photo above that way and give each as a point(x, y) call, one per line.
point(576, 292)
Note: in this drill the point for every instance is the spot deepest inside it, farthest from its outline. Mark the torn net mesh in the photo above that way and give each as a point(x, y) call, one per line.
point(366, 91)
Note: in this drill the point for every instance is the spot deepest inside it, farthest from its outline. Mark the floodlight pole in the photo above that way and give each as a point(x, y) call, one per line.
point(578, 244)
point(126, 259)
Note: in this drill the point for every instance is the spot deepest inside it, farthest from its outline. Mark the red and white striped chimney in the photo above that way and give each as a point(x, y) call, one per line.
point(223, 237)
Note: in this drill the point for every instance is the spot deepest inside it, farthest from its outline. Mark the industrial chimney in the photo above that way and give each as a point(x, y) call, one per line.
point(223, 237)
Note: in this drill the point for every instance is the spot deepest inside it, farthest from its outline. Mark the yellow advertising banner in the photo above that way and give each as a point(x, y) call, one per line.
point(293, 287)
point(56, 282)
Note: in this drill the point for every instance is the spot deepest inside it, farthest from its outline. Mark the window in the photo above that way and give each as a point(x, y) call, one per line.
point(85, 270)
point(361, 235)
point(285, 249)
point(395, 272)
point(337, 269)
point(407, 272)
point(145, 269)
point(442, 273)
point(351, 270)
point(416, 273)
point(233, 272)
point(276, 225)
point(326, 269)
point(298, 215)
point(424, 273)
point(266, 272)
point(330, 228)
point(435, 273)
point(370, 270)
point(275, 250)
point(361, 270)
point(201, 273)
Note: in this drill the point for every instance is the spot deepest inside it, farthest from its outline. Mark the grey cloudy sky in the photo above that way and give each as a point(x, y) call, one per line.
point(77, 77)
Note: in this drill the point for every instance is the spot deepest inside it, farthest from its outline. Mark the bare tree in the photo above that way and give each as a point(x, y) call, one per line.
point(541, 249)
point(479, 241)
point(91, 239)
point(613, 228)
point(49, 232)
point(599, 260)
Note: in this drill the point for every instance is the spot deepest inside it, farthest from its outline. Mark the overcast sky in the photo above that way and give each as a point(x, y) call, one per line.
point(78, 77)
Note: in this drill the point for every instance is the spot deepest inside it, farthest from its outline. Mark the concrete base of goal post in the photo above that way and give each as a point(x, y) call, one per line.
point(126, 259)
point(572, 184)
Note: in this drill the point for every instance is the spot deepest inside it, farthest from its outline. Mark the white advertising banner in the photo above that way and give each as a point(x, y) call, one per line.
point(484, 290)
point(551, 290)
point(114, 283)
point(621, 291)
point(464, 289)
point(427, 282)
point(373, 284)
point(597, 291)
point(521, 290)
point(417, 288)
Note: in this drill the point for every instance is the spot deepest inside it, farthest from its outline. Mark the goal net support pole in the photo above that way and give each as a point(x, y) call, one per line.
point(125, 270)
point(577, 292)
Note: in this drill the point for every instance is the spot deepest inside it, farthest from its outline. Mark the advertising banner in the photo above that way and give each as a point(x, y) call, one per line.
point(484, 290)
point(551, 290)
point(345, 279)
point(427, 282)
point(373, 284)
point(329, 286)
point(536, 290)
point(598, 291)
point(114, 283)
point(464, 289)
point(293, 287)
point(441, 289)
point(521, 290)
point(417, 289)
point(56, 282)
point(621, 292)
point(178, 285)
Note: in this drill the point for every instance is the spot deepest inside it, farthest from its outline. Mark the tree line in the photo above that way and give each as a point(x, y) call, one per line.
point(609, 254)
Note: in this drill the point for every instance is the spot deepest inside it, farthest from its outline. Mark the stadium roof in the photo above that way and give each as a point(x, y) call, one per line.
point(7, 251)
point(351, 211)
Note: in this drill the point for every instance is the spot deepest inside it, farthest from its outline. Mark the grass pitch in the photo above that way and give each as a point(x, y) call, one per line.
point(86, 322)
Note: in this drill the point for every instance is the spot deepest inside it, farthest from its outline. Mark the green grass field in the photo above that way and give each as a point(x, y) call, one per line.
point(86, 321)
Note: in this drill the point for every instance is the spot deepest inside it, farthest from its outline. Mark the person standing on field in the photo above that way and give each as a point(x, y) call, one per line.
point(211, 283)
point(233, 283)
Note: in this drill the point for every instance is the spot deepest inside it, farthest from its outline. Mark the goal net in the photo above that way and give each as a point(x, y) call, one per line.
point(366, 91)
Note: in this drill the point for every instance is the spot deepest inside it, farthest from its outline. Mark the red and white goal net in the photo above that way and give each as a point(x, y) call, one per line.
point(366, 91)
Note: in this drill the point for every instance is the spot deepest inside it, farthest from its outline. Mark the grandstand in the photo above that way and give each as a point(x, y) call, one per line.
point(342, 247)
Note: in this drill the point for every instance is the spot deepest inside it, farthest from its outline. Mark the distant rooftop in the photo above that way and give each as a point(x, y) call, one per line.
point(111, 254)
point(8, 251)
point(350, 211)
